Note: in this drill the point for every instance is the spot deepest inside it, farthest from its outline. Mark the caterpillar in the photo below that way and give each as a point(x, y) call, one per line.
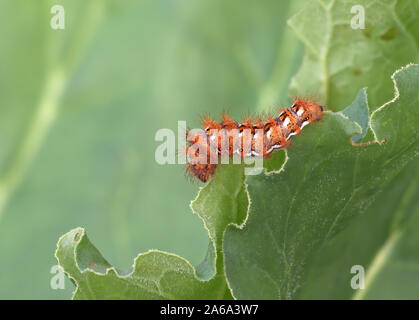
point(246, 139)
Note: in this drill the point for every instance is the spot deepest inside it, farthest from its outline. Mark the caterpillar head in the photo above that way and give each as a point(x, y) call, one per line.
point(202, 172)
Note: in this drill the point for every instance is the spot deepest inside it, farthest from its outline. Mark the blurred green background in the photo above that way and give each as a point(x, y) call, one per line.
point(79, 109)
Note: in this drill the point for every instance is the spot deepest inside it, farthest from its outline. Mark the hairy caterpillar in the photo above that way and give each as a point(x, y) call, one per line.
point(247, 139)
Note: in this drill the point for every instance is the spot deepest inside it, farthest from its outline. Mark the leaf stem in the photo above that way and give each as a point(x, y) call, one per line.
point(45, 115)
point(47, 109)
point(377, 264)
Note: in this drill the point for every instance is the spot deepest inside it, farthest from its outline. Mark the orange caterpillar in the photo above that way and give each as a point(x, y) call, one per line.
point(247, 139)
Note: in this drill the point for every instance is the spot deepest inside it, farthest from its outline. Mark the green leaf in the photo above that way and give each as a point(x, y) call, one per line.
point(325, 184)
point(378, 240)
point(339, 60)
point(157, 274)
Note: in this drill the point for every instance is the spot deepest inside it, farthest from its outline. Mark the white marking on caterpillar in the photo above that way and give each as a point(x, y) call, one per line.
point(304, 124)
point(275, 146)
point(291, 134)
